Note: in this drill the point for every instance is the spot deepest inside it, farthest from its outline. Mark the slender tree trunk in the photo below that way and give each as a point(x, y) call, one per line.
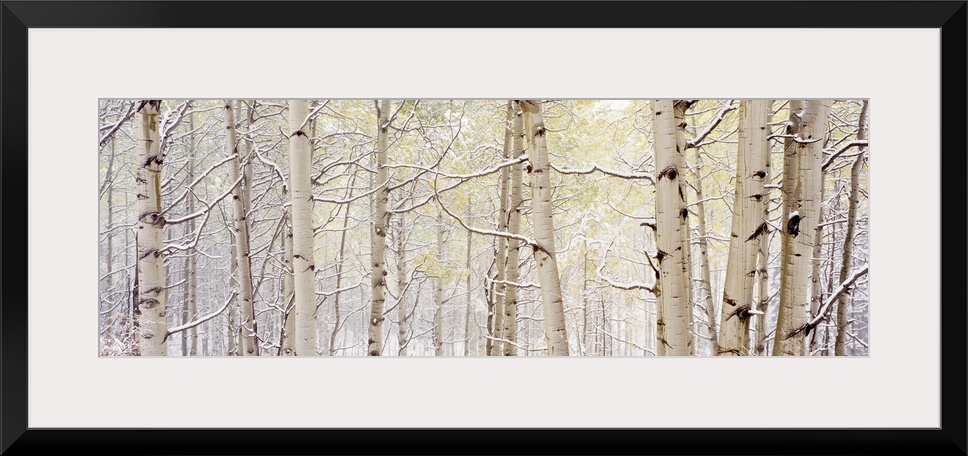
point(763, 283)
point(673, 322)
point(234, 328)
point(439, 290)
point(303, 262)
point(816, 291)
point(467, 310)
point(241, 233)
point(109, 261)
point(289, 316)
point(153, 324)
point(709, 306)
point(501, 261)
point(192, 255)
point(134, 315)
point(514, 227)
point(808, 124)
point(339, 269)
point(584, 297)
point(402, 338)
point(685, 232)
point(748, 225)
point(188, 309)
point(379, 236)
point(544, 234)
point(840, 346)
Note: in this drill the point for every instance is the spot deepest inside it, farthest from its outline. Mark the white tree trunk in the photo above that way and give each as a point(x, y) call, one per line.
point(402, 337)
point(501, 261)
point(378, 237)
point(709, 307)
point(468, 308)
point(439, 290)
point(514, 227)
point(674, 338)
point(763, 268)
point(191, 280)
point(152, 323)
point(685, 233)
point(303, 262)
point(241, 232)
point(752, 170)
point(556, 335)
point(840, 344)
point(808, 123)
point(288, 306)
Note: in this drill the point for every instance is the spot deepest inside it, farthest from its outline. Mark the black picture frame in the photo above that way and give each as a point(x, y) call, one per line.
point(16, 17)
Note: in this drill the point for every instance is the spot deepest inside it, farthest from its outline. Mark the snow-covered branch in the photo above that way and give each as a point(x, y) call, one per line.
point(833, 155)
point(605, 171)
point(828, 304)
point(201, 320)
point(117, 126)
point(622, 286)
point(484, 232)
point(712, 126)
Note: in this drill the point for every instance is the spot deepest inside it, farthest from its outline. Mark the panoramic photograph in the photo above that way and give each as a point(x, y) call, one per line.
point(483, 228)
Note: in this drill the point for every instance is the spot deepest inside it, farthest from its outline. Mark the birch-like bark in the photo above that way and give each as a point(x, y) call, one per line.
point(840, 343)
point(241, 232)
point(501, 259)
point(763, 273)
point(556, 335)
point(514, 227)
point(289, 316)
point(191, 283)
point(685, 232)
point(378, 237)
point(816, 291)
point(673, 338)
point(340, 260)
point(709, 306)
point(152, 322)
point(584, 297)
point(303, 262)
point(439, 290)
point(748, 225)
point(402, 338)
point(467, 309)
point(808, 125)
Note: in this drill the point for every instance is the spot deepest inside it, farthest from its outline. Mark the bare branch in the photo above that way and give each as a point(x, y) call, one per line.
point(208, 317)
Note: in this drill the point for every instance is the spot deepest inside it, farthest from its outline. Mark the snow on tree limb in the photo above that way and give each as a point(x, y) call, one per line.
point(622, 286)
point(828, 304)
point(712, 126)
point(833, 156)
point(117, 126)
point(524, 239)
point(208, 317)
point(605, 171)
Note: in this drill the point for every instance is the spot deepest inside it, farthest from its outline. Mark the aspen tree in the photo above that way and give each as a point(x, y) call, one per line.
point(241, 233)
point(303, 262)
point(378, 237)
point(402, 329)
point(556, 335)
point(843, 301)
point(501, 259)
point(752, 169)
point(804, 146)
point(439, 290)
point(151, 294)
point(673, 338)
point(514, 227)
